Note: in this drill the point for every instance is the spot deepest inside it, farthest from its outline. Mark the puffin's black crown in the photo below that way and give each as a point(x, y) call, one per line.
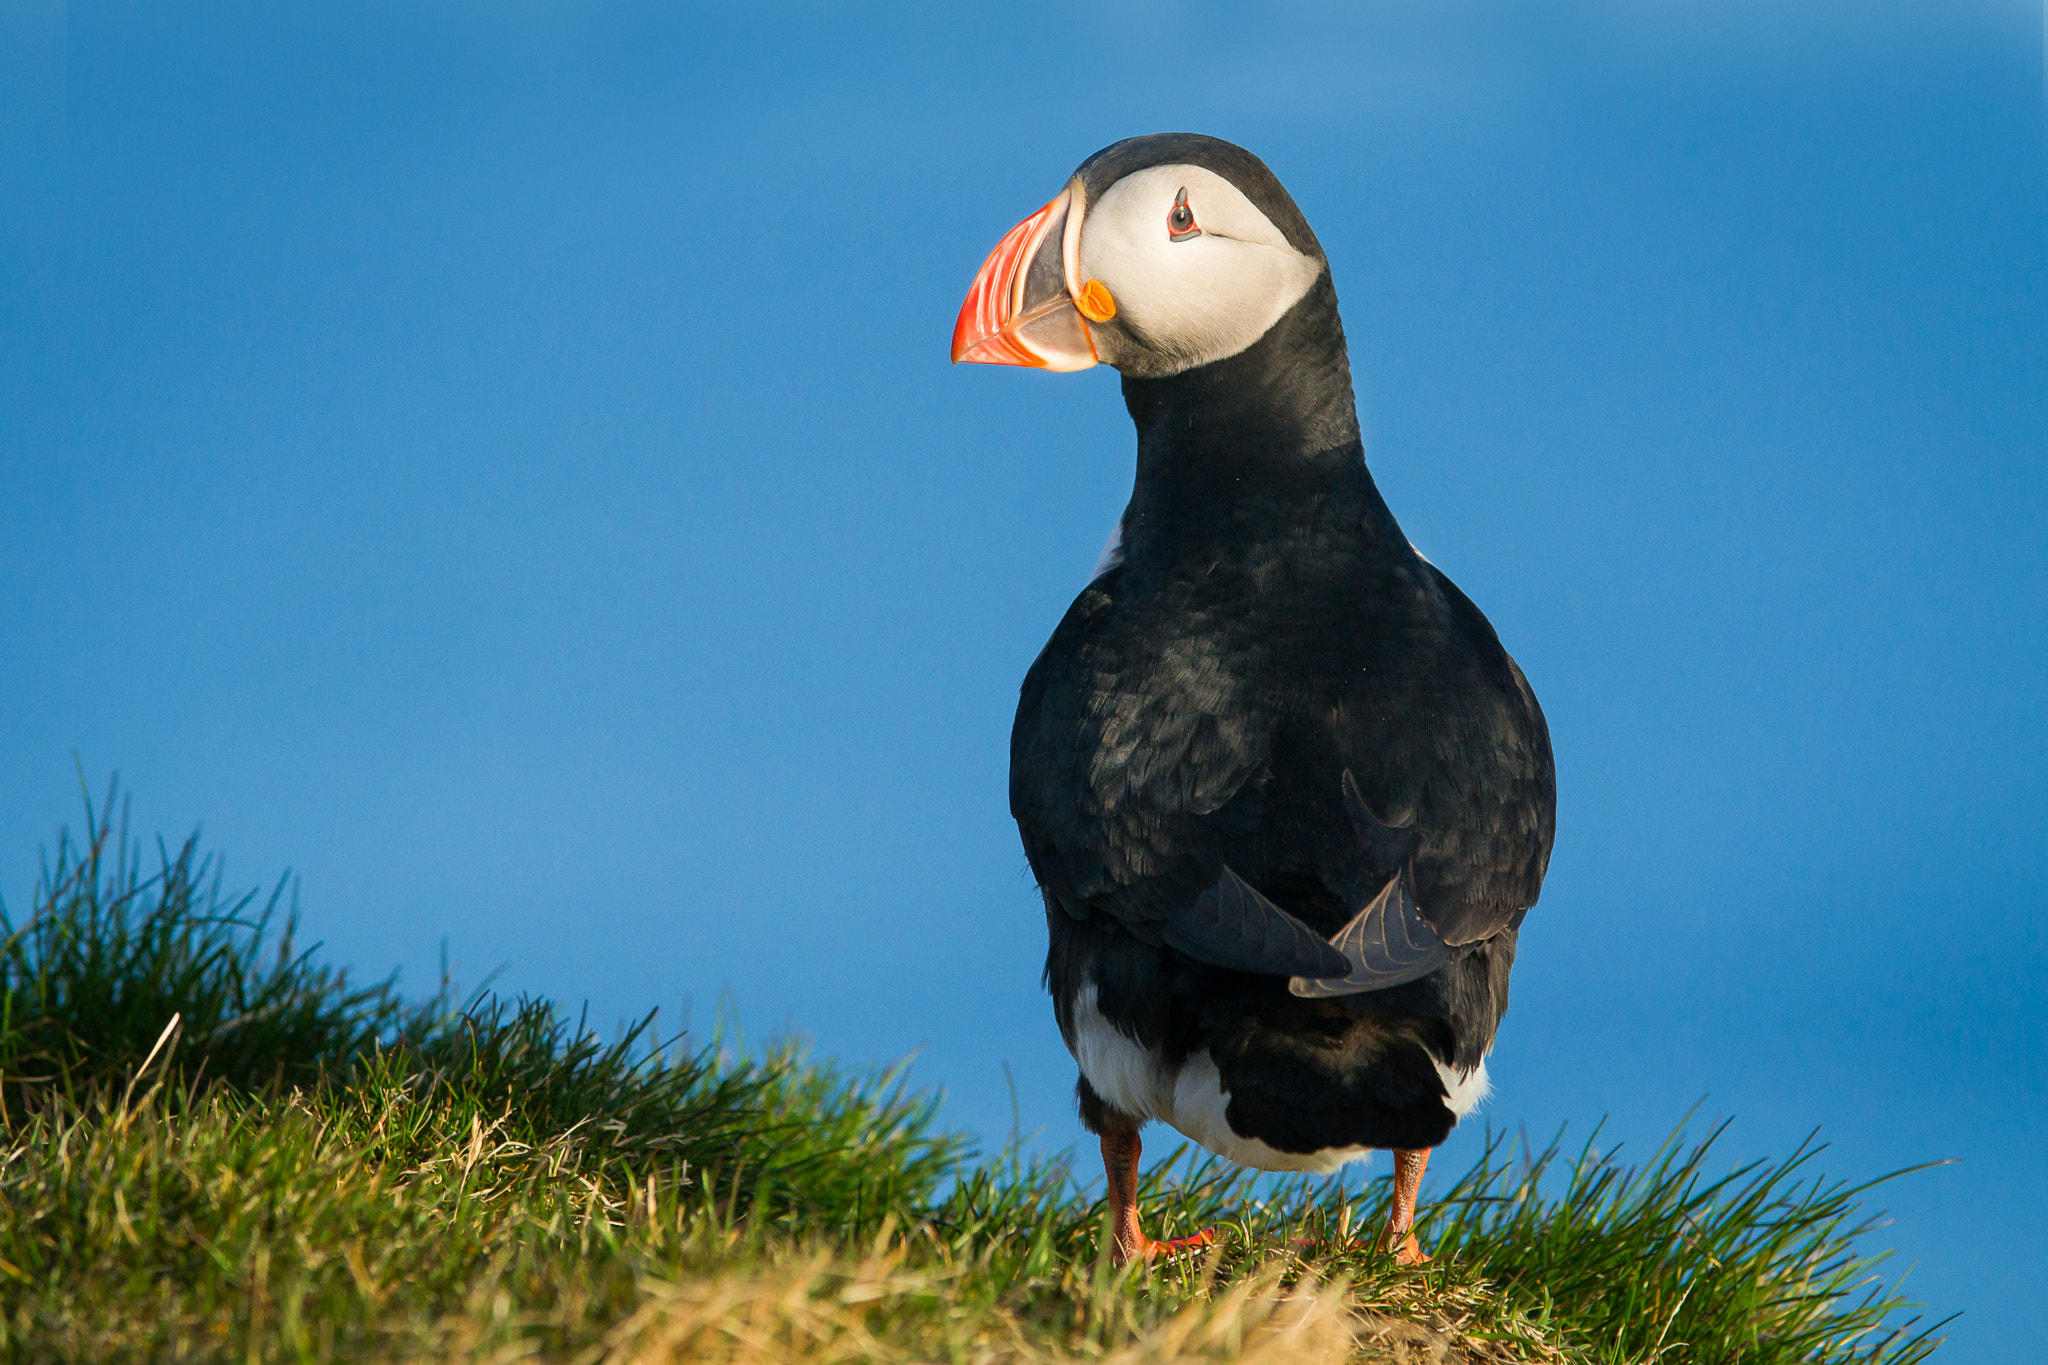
point(1253, 178)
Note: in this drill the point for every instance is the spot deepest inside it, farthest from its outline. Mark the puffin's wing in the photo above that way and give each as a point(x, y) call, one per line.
point(1386, 944)
point(1128, 797)
point(1231, 925)
point(1461, 751)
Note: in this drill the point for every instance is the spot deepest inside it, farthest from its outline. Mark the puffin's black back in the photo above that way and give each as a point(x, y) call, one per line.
point(1268, 631)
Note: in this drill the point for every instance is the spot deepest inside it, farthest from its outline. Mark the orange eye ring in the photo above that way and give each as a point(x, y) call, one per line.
point(1180, 219)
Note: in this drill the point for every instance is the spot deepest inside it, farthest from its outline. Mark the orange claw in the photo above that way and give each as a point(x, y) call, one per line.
point(1410, 1252)
point(1152, 1250)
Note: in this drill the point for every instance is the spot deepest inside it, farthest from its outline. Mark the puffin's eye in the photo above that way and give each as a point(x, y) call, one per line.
point(1180, 223)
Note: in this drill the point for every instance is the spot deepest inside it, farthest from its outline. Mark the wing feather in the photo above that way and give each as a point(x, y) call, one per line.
point(1388, 943)
point(1231, 925)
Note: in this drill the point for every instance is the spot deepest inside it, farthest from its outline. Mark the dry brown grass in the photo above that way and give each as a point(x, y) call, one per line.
point(809, 1308)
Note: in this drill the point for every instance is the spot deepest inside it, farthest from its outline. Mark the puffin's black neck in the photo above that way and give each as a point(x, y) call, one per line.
point(1289, 392)
point(1253, 437)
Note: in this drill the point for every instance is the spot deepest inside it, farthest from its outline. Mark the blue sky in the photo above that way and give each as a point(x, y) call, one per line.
point(499, 462)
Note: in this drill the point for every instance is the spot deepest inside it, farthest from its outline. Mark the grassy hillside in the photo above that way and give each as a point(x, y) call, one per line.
point(214, 1148)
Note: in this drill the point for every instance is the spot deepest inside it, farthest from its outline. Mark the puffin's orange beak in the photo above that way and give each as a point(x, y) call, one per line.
point(1020, 310)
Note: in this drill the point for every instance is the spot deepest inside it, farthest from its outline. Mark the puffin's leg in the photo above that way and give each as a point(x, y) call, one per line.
point(1120, 1162)
point(1120, 1150)
point(1400, 1238)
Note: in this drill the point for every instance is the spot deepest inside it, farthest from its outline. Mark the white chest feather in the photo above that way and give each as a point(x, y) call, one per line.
point(1112, 552)
point(1191, 1098)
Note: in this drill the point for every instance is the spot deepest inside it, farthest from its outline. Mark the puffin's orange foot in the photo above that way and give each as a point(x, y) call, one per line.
point(1154, 1250)
point(1409, 1252)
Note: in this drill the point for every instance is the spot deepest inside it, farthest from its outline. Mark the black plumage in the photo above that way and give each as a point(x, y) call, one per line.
point(1270, 715)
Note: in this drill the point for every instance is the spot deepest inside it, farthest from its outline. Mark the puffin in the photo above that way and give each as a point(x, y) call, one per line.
point(1285, 795)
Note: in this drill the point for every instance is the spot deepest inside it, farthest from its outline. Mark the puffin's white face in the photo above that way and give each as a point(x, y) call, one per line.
point(1197, 272)
point(1172, 268)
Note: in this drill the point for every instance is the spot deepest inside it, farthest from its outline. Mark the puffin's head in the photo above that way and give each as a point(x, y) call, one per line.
point(1162, 253)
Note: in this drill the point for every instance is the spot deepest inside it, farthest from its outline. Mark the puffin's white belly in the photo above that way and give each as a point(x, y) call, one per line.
point(1138, 1081)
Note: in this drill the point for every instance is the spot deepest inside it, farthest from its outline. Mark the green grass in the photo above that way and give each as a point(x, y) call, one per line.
point(304, 1168)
